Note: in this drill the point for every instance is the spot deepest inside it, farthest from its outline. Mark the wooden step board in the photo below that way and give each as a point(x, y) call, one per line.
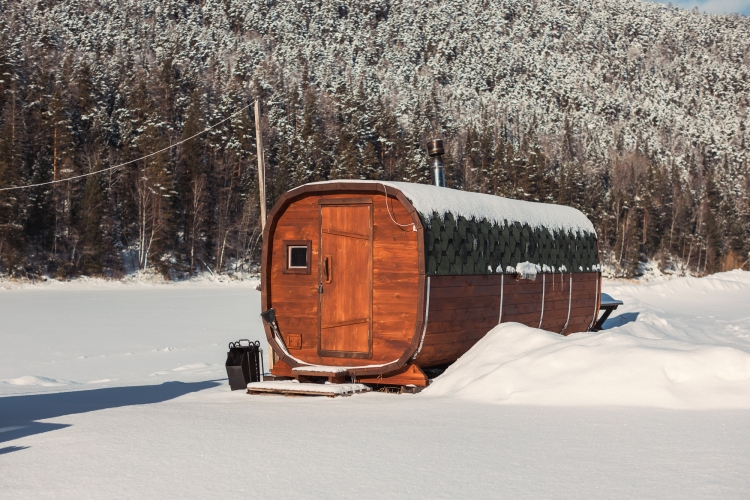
point(334, 374)
point(293, 388)
point(409, 375)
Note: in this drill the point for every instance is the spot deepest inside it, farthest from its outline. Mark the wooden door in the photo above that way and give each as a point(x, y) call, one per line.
point(345, 278)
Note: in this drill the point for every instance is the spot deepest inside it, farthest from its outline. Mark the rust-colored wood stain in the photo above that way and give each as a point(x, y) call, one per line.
point(364, 303)
point(346, 278)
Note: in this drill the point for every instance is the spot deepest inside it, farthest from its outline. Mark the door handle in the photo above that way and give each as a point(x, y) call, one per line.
point(327, 268)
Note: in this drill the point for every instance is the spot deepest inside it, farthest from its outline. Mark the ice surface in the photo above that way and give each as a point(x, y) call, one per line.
point(427, 199)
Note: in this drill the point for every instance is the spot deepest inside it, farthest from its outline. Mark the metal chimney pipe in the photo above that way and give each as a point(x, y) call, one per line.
point(435, 149)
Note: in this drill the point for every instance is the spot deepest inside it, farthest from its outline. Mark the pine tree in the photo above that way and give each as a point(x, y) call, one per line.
point(414, 166)
point(192, 189)
point(712, 226)
point(11, 221)
point(91, 212)
point(498, 178)
point(346, 162)
point(152, 192)
point(389, 143)
point(356, 92)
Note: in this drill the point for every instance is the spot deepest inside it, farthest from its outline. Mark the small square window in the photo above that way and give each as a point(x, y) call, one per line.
point(297, 257)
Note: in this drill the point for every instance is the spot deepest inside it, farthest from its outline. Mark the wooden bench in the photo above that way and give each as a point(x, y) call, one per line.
point(608, 304)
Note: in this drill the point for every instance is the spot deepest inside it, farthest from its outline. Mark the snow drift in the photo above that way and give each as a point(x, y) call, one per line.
point(655, 360)
point(32, 380)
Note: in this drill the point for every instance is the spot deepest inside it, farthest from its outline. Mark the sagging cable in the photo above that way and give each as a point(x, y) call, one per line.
point(109, 169)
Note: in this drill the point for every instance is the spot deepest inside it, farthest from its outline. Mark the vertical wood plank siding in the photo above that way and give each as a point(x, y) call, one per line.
point(395, 284)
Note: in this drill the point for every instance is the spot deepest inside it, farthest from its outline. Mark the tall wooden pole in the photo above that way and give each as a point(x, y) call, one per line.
point(272, 357)
point(261, 166)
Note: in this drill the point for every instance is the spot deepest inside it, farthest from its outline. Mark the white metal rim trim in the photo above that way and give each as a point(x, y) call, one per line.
point(570, 299)
point(282, 345)
point(502, 290)
point(544, 288)
point(596, 303)
point(426, 318)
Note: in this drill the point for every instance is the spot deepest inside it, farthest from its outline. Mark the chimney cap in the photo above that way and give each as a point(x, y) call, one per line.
point(435, 147)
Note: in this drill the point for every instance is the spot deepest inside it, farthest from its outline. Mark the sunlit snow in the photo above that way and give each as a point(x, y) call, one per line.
point(94, 406)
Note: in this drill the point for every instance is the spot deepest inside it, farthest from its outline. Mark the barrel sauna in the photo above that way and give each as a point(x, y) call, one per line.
point(375, 281)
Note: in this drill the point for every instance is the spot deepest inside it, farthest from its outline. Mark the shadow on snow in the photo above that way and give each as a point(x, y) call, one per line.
point(10, 449)
point(19, 414)
point(622, 319)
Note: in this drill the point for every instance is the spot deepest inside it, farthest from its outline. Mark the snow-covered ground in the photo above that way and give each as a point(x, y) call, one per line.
point(117, 390)
point(85, 335)
point(682, 343)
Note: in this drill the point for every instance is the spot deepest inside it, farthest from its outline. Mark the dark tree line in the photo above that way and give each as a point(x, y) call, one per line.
point(77, 105)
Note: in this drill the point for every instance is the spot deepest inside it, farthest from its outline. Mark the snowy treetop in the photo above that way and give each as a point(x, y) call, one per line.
point(428, 200)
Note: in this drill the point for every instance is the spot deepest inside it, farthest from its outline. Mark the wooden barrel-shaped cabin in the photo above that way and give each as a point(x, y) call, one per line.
point(375, 281)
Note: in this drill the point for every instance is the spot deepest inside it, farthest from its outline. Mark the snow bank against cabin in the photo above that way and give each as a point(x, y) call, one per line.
point(682, 344)
point(522, 365)
point(428, 199)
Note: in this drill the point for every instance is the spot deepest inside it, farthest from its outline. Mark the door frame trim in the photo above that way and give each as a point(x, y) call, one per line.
point(344, 202)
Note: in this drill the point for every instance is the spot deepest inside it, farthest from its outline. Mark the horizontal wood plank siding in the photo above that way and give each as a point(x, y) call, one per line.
point(464, 308)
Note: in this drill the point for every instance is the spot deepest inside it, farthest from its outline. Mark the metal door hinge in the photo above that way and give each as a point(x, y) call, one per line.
point(320, 287)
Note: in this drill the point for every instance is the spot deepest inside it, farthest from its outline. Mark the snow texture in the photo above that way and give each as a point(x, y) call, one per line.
point(320, 369)
point(527, 270)
point(94, 334)
point(30, 380)
point(608, 300)
point(647, 361)
point(153, 431)
point(333, 389)
point(428, 200)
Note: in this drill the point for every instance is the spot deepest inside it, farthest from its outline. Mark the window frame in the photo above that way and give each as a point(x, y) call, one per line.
point(297, 243)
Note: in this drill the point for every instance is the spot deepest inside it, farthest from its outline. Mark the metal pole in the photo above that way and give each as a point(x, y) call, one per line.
point(438, 169)
point(436, 151)
point(261, 166)
point(262, 192)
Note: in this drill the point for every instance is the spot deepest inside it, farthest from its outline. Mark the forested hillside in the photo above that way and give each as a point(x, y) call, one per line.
point(633, 112)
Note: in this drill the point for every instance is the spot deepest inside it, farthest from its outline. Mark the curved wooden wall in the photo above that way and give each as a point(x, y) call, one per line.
point(397, 278)
point(462, 309)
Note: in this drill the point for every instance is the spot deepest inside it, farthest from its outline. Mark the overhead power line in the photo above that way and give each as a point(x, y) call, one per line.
point(68, 179)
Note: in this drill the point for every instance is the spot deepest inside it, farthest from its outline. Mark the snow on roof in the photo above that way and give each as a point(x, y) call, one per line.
point(428, 199)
